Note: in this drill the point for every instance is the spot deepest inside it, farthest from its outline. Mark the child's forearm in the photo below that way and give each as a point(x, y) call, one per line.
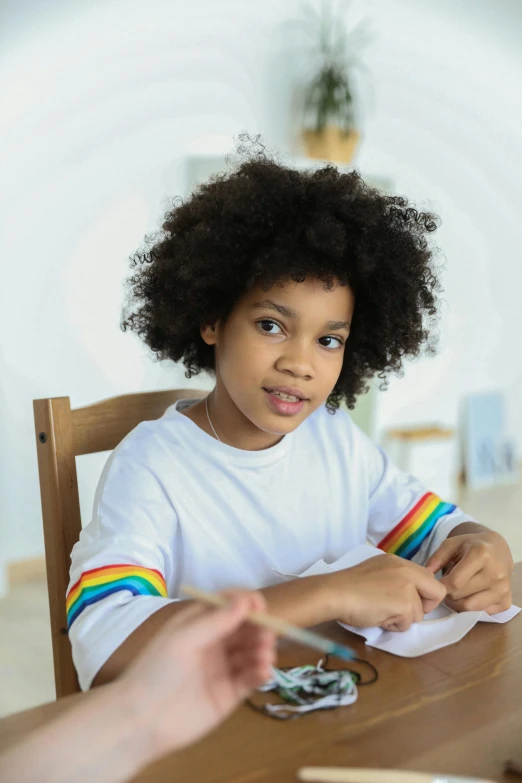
point(468, 527)
point(99, 739)
point(134, 644)
point(303, 602)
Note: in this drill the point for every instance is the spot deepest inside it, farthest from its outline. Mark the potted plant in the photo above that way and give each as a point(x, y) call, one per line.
point(330, 123)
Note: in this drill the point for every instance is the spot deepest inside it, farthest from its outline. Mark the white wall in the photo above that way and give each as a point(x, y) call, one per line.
point(100, 103)
point(446, 126)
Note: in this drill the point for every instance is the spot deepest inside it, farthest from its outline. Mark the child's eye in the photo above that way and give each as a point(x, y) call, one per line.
point(269, 327)
point(326, 342)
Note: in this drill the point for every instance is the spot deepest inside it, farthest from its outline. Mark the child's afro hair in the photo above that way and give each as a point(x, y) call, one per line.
point(263, 222)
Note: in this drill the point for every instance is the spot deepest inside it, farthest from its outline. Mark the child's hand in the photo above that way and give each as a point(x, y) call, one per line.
point(196, 670)
point(385, 591)
point(478, 569)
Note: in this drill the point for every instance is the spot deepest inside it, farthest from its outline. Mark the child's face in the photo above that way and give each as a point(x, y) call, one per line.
point(281, 344)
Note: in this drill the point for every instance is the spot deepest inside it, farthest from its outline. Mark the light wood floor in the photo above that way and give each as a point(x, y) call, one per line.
point(26, 661)
point(26, 670)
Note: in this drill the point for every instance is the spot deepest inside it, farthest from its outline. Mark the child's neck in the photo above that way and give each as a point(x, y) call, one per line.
point(231, 426)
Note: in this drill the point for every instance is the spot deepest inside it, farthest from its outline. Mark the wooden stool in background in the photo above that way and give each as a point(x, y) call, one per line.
point(431, 453)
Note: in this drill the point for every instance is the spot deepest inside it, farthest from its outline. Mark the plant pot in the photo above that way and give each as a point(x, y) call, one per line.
point(331, 144)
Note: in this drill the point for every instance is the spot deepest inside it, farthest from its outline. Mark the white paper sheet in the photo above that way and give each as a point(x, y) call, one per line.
point(439, 628)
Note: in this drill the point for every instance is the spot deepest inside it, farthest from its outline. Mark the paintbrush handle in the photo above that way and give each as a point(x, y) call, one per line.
point(347, 775)
point(280, 627)
point(275, 624)
point(283, 628)
point(202, 595)
point(354, 775)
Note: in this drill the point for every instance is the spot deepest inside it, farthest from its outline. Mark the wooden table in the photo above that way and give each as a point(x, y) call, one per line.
point(457, 710)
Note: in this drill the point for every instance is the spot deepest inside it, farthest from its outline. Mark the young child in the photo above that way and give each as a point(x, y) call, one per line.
point(293, 289)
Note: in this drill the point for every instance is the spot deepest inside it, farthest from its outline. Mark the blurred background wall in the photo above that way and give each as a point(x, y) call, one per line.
point(101, 102)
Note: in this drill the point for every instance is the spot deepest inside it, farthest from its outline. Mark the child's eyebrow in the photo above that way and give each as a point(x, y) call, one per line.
point(289, 312)
point(267, 304)
point(336, 325)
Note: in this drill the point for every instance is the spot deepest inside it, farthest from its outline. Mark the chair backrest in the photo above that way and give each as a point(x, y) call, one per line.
point(62, 435)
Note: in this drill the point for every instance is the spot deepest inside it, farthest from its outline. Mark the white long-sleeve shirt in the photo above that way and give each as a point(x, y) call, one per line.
point(175, 505)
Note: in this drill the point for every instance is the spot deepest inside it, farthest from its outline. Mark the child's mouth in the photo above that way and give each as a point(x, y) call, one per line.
point(283, 403)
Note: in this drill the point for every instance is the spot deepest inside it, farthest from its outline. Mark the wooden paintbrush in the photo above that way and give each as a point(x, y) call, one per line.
point(278, 626)
point(354, 775)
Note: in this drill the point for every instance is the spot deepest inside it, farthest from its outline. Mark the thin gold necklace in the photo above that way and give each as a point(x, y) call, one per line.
point(210, 421)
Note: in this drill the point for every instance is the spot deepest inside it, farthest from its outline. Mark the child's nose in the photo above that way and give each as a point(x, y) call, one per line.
point(296, 360)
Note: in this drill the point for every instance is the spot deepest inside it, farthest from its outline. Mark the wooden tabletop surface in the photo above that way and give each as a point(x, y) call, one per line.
point(456, 711)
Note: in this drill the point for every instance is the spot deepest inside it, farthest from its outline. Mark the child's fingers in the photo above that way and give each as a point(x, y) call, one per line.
point(468, 567)
point(399, 623)
point(478, 602)
point(501, 606)
point(431, 591)
point(444, 555)
point(395, 627)
point(480, 581)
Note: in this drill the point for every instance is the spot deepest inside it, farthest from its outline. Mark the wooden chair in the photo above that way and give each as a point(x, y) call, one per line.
point(62, 435)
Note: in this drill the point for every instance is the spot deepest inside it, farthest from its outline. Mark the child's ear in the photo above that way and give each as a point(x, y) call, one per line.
point(209, 333)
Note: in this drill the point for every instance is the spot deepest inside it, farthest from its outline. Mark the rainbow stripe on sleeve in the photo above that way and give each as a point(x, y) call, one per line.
point(406, 538)
point(98, 583)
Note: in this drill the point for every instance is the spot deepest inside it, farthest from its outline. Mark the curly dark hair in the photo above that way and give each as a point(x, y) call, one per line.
point(264, 222)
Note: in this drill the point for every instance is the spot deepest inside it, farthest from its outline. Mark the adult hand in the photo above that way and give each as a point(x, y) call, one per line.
point(197, 669)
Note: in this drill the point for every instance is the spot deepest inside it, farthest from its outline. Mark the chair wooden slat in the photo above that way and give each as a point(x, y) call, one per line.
point(63, 434)
point(101, 426)
point(61, 523)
